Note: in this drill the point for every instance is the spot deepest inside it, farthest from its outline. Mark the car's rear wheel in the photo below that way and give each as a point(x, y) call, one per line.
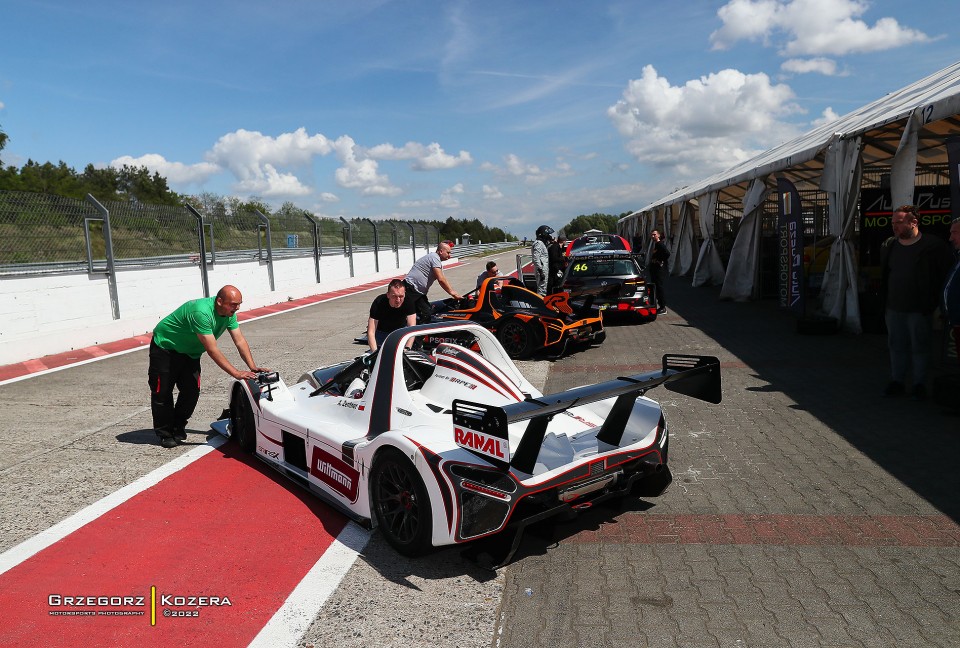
point(517, 338)
point(400, 503)
point(243, 427)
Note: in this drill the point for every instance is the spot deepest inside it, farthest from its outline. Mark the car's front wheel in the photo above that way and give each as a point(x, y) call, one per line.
point(400, 503)
point(243, 427)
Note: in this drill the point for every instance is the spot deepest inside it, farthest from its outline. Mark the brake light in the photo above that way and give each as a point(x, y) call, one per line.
point(483, 490)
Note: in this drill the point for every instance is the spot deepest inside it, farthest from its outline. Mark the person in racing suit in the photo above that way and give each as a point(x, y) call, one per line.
point(179, 340)
point(541, 257)
point(555, 267)
point(423, 273)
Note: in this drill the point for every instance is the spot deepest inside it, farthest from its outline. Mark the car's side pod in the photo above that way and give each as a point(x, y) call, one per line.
point(696, 376)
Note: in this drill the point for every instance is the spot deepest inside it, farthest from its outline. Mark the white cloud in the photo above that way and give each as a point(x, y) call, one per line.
point(2, 105)
point(810, 27)
point(532, 174)
point(328, 197)
point(361, 173)
point(827, 117)
point(174, 172)
point(425, 158)
point(271, 183)
point(705, 125)
point(448, 198)
point(491, 193)
point(258, 161)
point(824, 66)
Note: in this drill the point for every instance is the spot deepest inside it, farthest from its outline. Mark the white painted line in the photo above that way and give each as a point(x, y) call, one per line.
point(294, 617)
point(72, 364)
point(32, 546)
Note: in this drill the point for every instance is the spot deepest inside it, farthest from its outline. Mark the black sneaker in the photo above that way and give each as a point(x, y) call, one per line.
point(168, 442)
point(919, 392)
point(661, 310)
point(894, 388)
point(179, 434)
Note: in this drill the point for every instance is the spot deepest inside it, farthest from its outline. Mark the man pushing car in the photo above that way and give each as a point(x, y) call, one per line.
point(179, 340)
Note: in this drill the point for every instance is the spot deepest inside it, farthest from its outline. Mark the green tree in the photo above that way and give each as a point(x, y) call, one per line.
point(582, 223)
point(3, 143)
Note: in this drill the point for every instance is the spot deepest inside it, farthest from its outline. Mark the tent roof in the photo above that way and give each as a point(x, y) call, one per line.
point(880, 123)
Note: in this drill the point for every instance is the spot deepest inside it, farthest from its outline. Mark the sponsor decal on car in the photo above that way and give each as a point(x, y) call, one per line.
point(333, 472)
point(491, 446)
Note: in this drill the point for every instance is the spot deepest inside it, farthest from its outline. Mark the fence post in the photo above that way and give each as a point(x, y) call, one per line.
point(317, 244)
point(266, 222)
point(349, 242)
point(413, 239)
point(203, 251)
point(111, 268)
point(376, 245)
point(396, 243)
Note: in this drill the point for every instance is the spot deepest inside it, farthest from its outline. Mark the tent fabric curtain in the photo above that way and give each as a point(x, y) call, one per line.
point(842, 173)
point(904, 169)
point(709, 270)
point(654, 222)
point(681, 250)
point(681, 255)
point(740, 281)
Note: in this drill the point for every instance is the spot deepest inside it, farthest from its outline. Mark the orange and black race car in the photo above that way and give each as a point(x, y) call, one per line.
point(523, 321)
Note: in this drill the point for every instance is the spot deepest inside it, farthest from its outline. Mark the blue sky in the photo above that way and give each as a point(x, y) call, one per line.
point(516, 113)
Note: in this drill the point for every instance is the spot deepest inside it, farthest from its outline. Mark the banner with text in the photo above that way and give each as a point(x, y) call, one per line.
point(790, 256)
point(953, 160)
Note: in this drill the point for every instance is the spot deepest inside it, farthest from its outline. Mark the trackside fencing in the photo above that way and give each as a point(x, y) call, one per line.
point(77, 273)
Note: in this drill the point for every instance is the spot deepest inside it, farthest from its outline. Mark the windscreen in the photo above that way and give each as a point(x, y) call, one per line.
point(583, 268)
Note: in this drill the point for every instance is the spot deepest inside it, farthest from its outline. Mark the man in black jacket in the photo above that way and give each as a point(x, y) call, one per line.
point(659, 255)
point(913, 269)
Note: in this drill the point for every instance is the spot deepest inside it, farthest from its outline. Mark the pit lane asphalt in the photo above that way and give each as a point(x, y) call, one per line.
point(806, 510)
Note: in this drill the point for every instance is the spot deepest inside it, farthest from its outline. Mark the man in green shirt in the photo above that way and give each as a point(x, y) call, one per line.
point(179, 340)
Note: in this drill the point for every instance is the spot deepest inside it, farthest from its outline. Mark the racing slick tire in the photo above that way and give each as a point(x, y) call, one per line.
point(401, 503)
point(243, 427)
point(517, 338)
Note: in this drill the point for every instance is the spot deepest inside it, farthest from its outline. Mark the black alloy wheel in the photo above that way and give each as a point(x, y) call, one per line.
point(400, 503)
point(517, 338)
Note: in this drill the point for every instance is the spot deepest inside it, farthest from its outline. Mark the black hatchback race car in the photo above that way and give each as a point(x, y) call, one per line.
point(615, 280)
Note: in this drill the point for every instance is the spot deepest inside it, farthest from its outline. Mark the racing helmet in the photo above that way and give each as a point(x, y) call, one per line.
point(545, 233)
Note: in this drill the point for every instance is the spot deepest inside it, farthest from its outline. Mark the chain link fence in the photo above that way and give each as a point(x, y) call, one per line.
point(50, 234)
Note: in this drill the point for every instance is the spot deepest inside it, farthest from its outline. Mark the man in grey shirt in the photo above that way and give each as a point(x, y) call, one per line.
point(426, 270)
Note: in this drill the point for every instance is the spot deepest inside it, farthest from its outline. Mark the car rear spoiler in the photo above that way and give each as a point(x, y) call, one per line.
point(482, 429)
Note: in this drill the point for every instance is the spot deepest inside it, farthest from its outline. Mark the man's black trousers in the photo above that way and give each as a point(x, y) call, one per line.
point(169, 369)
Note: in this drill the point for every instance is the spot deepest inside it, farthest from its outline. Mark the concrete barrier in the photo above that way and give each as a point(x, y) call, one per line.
point(41, 315)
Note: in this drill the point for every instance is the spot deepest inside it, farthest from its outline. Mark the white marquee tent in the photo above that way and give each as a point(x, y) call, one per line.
point(900, 132)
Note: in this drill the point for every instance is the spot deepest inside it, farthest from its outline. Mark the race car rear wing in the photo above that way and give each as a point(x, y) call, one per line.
point(482, 429)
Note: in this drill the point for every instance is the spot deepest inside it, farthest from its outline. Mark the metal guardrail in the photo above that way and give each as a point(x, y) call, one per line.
point(223, 256)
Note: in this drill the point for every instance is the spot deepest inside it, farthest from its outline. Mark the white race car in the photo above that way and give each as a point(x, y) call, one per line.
point(447, 447)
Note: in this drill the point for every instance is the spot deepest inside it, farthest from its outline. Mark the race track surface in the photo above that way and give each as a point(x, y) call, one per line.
point(806, 510)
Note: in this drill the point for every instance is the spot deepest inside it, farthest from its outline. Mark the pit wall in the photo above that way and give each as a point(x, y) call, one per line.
point(41, 315)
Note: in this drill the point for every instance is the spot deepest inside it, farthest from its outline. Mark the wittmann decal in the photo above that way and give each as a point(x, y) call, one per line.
point(336, 474)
